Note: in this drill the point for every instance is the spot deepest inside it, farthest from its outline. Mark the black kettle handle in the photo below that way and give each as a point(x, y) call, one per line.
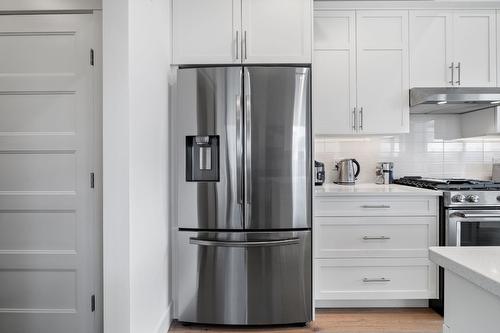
point(358, 168)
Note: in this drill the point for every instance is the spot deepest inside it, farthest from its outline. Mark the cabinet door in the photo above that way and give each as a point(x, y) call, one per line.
point(334, 72)
point(431, 48)
point(205, 32)
point(383, 71)
point(277, 31)
point(475, 47)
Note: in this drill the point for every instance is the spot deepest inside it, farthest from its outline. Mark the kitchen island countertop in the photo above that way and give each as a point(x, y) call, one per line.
point(479, 265)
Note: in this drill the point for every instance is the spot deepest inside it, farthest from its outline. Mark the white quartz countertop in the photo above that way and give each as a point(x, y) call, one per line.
point(479, 265)
point(370, 189)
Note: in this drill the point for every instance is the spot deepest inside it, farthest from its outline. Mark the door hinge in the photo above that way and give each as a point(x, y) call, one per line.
point(91, 180)
point(92, 57)
point(92, 303)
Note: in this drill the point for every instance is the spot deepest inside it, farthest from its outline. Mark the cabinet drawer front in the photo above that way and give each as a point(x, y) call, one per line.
point(374, 236)
point(375, 206)
point(342, 279)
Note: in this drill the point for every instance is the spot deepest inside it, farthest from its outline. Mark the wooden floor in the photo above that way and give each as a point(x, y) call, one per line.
point(346, 321)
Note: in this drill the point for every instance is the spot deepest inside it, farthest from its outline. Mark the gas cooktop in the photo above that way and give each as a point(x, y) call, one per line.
point(450, 184)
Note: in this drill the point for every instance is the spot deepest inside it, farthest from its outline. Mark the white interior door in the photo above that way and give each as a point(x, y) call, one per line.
point(47, 226)
point(206, 32)
point(277, 31)
point(431, 48)
point(475, 47)
point(383, 71)
point(334, 72)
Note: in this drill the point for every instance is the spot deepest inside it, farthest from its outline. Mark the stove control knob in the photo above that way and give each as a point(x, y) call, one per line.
point(458, 198)
point(472, 198)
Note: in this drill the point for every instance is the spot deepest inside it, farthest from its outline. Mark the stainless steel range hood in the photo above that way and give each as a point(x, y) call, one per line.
point(452, 100)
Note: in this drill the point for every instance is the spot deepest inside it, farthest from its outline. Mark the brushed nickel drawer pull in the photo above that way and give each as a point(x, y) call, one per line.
point(376, 206)
point(376, 238)
point(366, 280)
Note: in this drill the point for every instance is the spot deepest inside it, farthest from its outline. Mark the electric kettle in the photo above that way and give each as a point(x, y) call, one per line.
point(346, 173)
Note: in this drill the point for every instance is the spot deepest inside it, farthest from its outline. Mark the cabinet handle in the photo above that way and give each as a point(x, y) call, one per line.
point(237, 44)
point(452, 68)
point(376, 206)
point(361, 118)
point(459, 67)
point(376, 280)
point(376, 238)
point(245, 37)
point(354, 119)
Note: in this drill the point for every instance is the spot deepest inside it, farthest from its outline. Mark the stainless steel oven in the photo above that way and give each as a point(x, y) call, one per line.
point(473, 227)
point(469, 215)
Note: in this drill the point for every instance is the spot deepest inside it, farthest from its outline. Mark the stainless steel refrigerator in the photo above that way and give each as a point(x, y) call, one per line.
point(244, 195)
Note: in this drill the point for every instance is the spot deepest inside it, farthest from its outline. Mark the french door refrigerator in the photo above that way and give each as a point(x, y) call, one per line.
point(244, 195)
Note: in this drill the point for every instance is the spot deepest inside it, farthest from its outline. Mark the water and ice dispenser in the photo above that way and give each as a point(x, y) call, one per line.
point(202, 158)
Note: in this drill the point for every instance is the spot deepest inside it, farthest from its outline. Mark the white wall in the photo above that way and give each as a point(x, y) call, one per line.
point(136, 237)
point(116, 217)
point(149, 256)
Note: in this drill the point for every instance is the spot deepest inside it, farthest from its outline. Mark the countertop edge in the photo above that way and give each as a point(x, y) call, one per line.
point(367, 189)
point(465, 272)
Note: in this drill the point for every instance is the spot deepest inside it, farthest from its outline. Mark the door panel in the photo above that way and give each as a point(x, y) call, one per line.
point(209, 103)
point(278, 154)
point(47, 227)
point(204, 32)
point(431, 48)
point(475, 47)
point(334, 73)
point(245, 278)
point(277, 31)
point(383, 72)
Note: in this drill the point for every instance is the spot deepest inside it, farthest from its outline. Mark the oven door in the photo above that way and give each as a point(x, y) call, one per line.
point(473, 228)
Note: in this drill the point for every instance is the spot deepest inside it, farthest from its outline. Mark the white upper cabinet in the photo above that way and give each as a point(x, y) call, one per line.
point(475, 48)
point(382, 72)
point(431, 48)
point(334, 72)
point(205, 32)
point(453, 48)
point(277, 31)
point(242, 31)
point(361, 75)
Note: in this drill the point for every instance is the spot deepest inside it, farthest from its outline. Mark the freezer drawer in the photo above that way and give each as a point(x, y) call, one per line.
point(254, 278)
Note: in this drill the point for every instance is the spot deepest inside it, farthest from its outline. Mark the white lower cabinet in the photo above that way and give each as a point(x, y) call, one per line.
point(375, 279)
point(375, 253)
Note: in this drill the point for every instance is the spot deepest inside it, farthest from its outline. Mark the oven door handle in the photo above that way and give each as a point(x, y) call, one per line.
point(476, 216)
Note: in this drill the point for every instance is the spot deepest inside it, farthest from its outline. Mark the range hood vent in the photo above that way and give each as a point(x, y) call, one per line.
point(452, 100)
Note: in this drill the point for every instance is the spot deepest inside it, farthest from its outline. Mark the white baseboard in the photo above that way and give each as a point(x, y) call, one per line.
point(397, 303)
point(165, 321)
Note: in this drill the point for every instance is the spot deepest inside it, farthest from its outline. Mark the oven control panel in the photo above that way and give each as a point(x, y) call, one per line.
point(471, 198)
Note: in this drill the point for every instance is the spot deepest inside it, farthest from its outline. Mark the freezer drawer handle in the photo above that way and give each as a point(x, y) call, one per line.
point(376, 238)
point(367, 280)
point(376, 206)
point(280, 242)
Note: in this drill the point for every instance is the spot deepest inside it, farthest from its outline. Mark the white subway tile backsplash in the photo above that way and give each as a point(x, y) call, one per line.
point(415, 154)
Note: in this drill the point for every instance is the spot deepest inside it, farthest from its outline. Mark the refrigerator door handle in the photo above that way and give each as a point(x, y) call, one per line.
point(208, 242)
point(239, 151)
point(248, 143)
